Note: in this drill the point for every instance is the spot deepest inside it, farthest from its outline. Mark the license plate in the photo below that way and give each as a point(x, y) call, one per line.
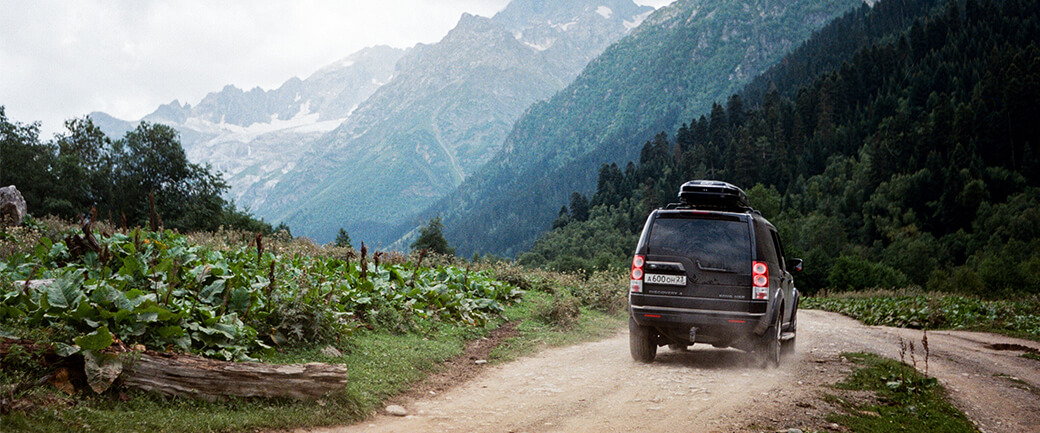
point(671, 280)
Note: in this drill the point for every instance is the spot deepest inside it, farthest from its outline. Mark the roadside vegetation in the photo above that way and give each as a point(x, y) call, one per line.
point(909, 308)
point(236, 296)
point(900, 399)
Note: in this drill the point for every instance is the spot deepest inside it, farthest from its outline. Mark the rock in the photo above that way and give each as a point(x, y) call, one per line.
point(396, 410)
point(835, 426)
point(481, 362)
point(331, 352)
point(12, 206)
point(794, 430)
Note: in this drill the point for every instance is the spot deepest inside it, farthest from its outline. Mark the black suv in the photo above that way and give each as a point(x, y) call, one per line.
point(711, 270)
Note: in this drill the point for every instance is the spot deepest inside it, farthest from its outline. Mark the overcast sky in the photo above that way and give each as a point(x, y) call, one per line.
point(64, 59)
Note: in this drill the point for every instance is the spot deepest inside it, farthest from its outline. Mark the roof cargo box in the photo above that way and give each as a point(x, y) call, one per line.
point(713, 194)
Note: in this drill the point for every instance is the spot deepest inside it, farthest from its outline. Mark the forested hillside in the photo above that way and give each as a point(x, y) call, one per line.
point(680, 60)
point(83, 168)
point(915, 162)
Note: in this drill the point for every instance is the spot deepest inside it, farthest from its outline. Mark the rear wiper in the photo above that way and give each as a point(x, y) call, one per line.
point(705, 268)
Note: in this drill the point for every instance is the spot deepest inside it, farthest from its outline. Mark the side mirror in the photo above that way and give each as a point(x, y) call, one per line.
point(796, 265)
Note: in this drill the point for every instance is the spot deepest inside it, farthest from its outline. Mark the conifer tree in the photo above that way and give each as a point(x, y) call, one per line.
point(431, 238)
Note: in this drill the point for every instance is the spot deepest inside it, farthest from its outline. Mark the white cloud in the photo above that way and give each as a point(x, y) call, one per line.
point(61, 59)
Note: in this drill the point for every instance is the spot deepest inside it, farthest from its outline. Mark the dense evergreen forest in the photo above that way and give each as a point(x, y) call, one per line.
point(672, 67)
point(82, 168)
point(913, 162)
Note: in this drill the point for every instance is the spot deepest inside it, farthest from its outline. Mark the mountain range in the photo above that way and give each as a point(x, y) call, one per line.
point(683, 59)
point(254, 138)
point(493, 126)
point(419, 122)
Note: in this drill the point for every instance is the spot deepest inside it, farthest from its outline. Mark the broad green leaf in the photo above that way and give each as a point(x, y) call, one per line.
point(214, 292)
point(83, 311)
point(66, 291)
point(240, 300)
point(101, 369)
point(168, 332)
point(97, 340)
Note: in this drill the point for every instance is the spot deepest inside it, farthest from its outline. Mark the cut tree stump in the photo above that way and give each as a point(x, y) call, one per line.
point(186, 375)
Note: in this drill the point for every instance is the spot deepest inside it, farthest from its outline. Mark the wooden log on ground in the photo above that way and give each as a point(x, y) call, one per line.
point(185, 375)
point(188, 375)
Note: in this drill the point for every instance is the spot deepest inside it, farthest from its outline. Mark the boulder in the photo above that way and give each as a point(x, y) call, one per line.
point(396, 410)
point(331, 352)
point(12, 206)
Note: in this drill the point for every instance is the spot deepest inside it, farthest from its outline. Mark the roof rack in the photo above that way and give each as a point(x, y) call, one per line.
point(685, 206)
point(712, 194)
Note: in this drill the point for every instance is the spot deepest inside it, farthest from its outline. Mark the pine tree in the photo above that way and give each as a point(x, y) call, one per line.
point(431, 238)
point(343, 239)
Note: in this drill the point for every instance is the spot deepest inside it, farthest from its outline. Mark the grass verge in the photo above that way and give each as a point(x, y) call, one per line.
point(899, 400)
point(534, 334)
point(383, 365)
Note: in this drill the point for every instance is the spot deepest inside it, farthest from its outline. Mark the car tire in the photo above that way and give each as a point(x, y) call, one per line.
point(642, 342)
point(770, 347)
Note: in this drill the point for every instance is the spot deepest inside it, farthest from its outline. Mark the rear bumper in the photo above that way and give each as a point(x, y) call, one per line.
point(713, 326)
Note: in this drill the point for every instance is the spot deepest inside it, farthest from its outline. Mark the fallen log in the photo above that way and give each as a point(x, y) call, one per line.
point(176, 374)
point(187, 375)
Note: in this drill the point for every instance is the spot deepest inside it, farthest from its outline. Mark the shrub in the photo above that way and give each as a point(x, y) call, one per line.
point(854, 273)
point(961, 279)
point(571, 264)
point(604, 291)
point(561, 310)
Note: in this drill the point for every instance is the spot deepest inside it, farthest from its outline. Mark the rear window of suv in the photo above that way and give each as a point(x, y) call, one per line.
point(714, 241)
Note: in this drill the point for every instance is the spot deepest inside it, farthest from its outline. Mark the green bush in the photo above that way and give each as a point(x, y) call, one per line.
point(571, 264)
point(561, 310)
point(604, 291)
point(854, 273)
point(961, 279)
point(161, 290)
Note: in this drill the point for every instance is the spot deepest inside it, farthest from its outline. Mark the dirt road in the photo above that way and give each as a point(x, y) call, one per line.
point(596, 387)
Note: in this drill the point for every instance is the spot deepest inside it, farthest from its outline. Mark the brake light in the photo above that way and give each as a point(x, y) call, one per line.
point(637, 274)
point(759, 280)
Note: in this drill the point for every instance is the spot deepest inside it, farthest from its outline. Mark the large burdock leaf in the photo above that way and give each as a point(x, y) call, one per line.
point(67, 290)
point(94, 341)
point(101, 369)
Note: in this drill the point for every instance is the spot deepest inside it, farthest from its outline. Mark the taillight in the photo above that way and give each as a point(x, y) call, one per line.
point(759, 280)
point(637, 273)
